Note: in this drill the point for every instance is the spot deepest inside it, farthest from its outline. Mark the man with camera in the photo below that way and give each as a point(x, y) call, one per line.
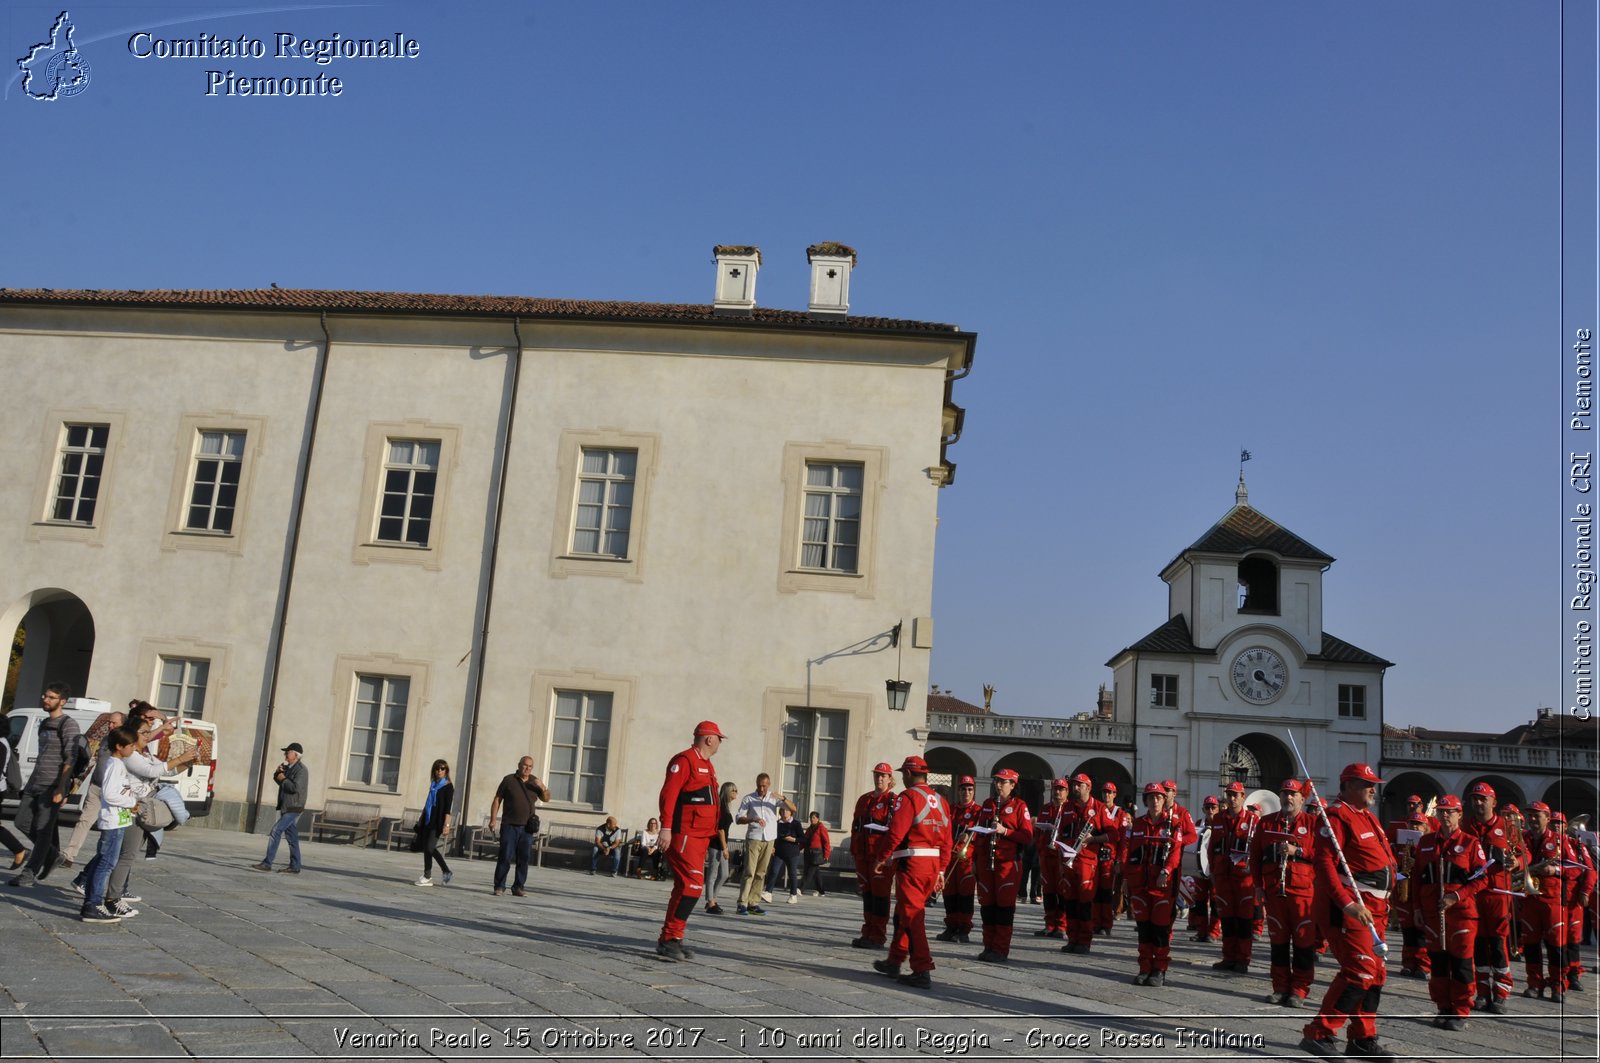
point(293, 780)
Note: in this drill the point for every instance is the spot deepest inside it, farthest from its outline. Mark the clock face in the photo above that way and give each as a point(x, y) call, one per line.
point(1259, 675)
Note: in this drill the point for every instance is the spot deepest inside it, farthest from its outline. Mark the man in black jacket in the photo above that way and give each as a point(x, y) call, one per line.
point(292, 779)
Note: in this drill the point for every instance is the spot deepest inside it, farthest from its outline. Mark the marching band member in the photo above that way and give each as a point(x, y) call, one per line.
point(1154, 852)
point(1414, 959)
point(1047, 827)
point(1491, 952)
point(1109, 884)
point(1201, 918)
point(1543, 914)
point(1084, 827)
point(1009, 826)
point(960, 881)
point(1450, 872)
point(1582, 887)
point(1280, 862)
point(914, 849)
point(873, 810)
point(1231, 882)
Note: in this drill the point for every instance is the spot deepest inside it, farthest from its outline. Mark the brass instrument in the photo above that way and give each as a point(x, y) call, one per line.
point(1514, 853)
point(1407, 863)
point(1083, 835)
point(1164, 849)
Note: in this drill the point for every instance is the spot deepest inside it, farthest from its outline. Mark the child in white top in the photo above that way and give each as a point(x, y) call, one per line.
point(116, 813)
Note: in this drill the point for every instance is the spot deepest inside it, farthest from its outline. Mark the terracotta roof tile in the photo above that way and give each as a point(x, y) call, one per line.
point(312, 300)
point(951, 703)
point(1244, 528)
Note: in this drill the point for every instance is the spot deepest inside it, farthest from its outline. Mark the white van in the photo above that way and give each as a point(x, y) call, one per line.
point(196, 782)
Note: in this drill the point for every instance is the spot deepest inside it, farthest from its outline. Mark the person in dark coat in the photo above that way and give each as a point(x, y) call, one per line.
point(434, 825)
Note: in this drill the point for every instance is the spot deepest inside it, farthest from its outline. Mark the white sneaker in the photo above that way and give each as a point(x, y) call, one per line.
point(424, 881)
point(79, 890)
point(766, 896)
point(123, 910)
point(448, 875)
point(794, 898)
point(131, 899)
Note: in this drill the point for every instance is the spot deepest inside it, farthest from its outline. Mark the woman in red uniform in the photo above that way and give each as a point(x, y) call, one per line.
point(1450, 870)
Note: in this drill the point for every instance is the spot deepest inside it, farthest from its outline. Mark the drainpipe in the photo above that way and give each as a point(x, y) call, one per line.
point(275, 654)
point(488, 590)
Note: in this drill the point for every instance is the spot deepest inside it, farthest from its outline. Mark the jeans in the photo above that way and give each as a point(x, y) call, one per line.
point(516, 843)
point(288, 823)
point(37, 818)
point(615, 860)
point(99, 870)
point(87, 814)
point(784, 860)
point(133, 837)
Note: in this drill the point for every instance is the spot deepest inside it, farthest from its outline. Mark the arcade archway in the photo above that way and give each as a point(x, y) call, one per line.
point(1258, 760)
point(59, 641)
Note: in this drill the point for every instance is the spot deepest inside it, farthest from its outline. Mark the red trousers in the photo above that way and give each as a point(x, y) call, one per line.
point(997, 901)
point(1200, 917)
point(1451, 981)
point(1152, 910)
point(1356, 990)
point(687, 858)
point(875, 889)
point(1292, 934)
point(960, 886)
point(1490, 952)
point(1105, 893)
point(1413, 950)
point(1077, 886)
point(914, 882)
point(1574, 937)
point(1235, 891)
point(1055, 912)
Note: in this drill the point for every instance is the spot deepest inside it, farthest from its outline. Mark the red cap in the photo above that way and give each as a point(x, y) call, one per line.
point(1007, 774)
point(1081, 777)
point(1559, 817)
point(1510, 809)
point(1538, 806)
point(915, 764)
point(706, 727)
point(966, 780)
point(1482, 788)
point(882, 768)
point(1450, 801)
point(1109, 786)
point(1414, 800)
point(1291, 786)
point(1362, 772)
point(1211, 801)
point(1154, 788)
point(1170, 784)
point(1059, 784)
point(1235, 787)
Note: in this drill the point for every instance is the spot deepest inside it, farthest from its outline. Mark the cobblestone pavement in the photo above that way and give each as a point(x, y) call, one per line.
point(351, 960)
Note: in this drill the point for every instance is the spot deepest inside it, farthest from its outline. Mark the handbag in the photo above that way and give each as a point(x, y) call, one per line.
point(418, 832)
point(153, 814)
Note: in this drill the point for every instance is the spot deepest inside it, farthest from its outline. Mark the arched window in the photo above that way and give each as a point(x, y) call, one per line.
point(1258, 585)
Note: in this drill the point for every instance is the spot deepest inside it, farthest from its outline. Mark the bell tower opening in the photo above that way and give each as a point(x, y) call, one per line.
point(1258, 585)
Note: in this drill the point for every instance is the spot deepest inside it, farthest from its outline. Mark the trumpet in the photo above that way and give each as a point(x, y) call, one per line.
point(1083, 835)
point(1407, 863)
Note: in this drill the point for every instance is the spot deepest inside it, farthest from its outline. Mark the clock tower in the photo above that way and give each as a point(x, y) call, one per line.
point(1243, 662)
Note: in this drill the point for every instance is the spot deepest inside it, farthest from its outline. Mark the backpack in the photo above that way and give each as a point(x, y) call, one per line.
point(10, 770)
point(80, 757)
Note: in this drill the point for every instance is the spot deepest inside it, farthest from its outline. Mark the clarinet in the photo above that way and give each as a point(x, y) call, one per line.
point(994, 829)
point(1164, 848)
point(1282, 849)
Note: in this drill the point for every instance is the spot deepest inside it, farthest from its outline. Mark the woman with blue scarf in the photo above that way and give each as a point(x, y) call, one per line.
point(435, 822)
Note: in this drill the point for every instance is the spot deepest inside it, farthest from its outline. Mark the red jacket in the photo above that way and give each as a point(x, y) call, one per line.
point(689, 795)
point(1231, 836)
point(1279, 829)
point(1499, 839)
point(1013, 815)
point(1559, 884)
point(919, 827)
point(817, 838)
point(961, 819)
point(1457, 862)
point(872, 815)
point(1147, 837)
point(1365, 846)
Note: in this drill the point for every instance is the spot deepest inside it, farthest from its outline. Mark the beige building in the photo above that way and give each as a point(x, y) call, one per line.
point(397, 527)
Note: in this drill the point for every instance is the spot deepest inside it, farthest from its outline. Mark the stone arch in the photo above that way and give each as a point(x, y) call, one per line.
point(1398, 788)
point(1505, 791)
point(60, 641)
point(1575, 797)
point(1036, 774)
point(1103, 770)
point(1258, 760)
point(947, 760)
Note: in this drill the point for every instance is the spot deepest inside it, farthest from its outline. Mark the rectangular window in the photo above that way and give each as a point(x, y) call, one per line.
point(578, 748)
point(182, 686)
point(410, 477)
point(214, 490)
point(814, 743)
point(1352, 702)
point(831, 529)
point(604, 510)
point(377, 731)
point(83, 456)
point(1164, 691)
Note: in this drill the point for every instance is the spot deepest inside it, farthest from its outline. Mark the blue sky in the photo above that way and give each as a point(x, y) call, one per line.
point(1327, 233)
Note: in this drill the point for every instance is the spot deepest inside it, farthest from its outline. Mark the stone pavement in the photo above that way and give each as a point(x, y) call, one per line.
point(351, 961)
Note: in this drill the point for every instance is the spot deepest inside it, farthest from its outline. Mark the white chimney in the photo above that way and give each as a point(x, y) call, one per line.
point(736, 278)
point(830, 277)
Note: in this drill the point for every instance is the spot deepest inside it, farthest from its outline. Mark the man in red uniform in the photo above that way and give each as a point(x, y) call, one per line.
point(1414, 959)
point(1084, 829)
point(1231, 882)
point(960, 882)
point(1449, 874)
point(914, 849)
point(1005, 825)
point(1202, 919)
point(1491, 952)
point(1582, 888)
point(688, 806)
point(1153, 852)
point(1417, 808)
point(873, 810)
point(1544, 914)
point(1109, 884)
point(1353, 909)
point(1047, 828)
point(1280, 863)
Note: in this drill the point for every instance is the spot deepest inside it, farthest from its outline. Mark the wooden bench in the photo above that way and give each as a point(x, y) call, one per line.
point(355, 820)
point(397, 833)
